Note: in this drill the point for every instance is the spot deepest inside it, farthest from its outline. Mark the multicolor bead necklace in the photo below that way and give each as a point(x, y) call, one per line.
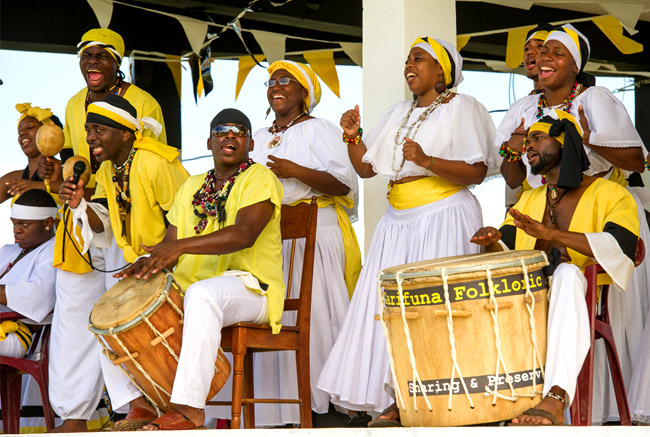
point(122, 193)
point(13, 263)
point(212, 201)
point(565, 105)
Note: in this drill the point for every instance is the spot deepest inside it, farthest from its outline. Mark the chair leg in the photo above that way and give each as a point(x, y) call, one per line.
point(581, 407)
point(249, 392)
point(238, 353)
point(10, 389)
point(48, 413)
point(304, 389)
point(605, 332)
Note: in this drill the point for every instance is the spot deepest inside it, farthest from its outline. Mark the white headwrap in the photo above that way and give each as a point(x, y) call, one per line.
point(25, 212)
point(425, 43)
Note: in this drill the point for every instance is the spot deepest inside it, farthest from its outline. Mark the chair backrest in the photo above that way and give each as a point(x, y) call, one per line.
point(300, 222)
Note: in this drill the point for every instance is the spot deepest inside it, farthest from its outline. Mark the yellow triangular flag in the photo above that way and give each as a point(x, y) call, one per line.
point(461, 41)
point(199, 85)
point(323, 65)
point(174, 65)
point(613, 29)
point(515, 46)
point(246, 64)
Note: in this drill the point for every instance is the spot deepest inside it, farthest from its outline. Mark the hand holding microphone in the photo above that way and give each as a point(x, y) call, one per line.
point(76, 173)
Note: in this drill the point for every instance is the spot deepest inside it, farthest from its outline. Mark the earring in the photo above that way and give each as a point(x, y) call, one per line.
point(47, 228)
point(440, 87)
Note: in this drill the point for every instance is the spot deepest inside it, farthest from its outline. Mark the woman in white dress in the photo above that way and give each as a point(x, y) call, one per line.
point(431, 149)
point(614, 149)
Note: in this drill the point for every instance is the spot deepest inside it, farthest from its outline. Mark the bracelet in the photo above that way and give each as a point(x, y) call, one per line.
point(430, 165)
point(508, 153)
point(645, 162)
point(524, 143)
point(356, 140)
point(556, 397)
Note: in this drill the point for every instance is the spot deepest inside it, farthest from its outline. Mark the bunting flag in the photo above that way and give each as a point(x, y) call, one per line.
point(195, 31)
point(323, 65)
point(201, 79)
point(174, 65)
point(246, 64)
point(515, 46)
point(354, 50)
point(272, 44)
point(103, 10)
point(613, 29)
point(461, 41)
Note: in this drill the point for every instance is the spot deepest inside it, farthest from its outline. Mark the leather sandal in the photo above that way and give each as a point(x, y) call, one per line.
point(174, 420)
point(136, 419)
point(386, 423)
point(539, 413)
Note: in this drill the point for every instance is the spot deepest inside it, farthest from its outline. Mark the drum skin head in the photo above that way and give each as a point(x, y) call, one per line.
point(125, 301)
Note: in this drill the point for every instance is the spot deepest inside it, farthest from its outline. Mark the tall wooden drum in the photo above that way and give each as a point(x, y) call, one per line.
point(466, 336)
point(142, 322)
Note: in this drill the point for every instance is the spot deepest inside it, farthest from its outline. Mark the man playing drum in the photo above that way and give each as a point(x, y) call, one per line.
point(136, 185)
point(224, 237)
point(575, 219)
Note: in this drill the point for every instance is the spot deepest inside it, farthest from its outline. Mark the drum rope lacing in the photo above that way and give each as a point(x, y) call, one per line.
point(530, 307)
point(399, 399)
point(409, 345)
point(452, 343)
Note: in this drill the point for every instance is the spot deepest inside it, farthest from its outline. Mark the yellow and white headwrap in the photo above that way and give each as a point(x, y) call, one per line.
point(447, 56)
point(303, 74)
point(544, 124)
point(41, 114)
point(115, 111)
point(107, 39)
point(575, 42)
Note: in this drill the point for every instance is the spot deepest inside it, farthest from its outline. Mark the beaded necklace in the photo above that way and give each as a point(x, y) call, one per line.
point(212, 201)
point(412, 131)
point(565, 105)
point(13, 263)
point(122, 193)
point(276, 131)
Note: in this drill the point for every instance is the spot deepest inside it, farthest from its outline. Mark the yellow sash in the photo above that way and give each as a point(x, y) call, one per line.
point(421, 192)
point(73, 261)
point(350, 243)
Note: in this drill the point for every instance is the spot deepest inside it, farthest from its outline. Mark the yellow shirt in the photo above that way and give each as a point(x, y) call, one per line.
point(263, 260)
point(602, 202)
point(154, 178)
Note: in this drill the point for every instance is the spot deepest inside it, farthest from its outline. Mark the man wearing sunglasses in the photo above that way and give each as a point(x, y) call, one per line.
point(224, 238)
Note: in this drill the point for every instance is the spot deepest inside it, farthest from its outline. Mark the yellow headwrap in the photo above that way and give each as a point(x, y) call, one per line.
point(112, 111)
point(303, 74)
point(107, 39)
point(540, 34)
point(545, 126)
point(41, 114)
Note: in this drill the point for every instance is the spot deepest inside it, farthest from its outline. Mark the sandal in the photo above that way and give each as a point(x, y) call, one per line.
point(174, 420)
point(386, 423)
point(539, 413)
point(136, 419)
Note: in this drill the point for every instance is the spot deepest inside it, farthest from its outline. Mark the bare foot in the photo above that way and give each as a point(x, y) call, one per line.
point(71, 425)
point(391, 415)
point(549, 405)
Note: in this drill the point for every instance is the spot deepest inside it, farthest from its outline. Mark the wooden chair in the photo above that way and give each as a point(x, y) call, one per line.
point(581, 409)
point(11, 373)
point(243, 339)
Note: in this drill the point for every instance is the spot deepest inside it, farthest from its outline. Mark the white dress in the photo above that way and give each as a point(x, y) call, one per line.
point(610, 126)
point(358, 366)
point(316, 144)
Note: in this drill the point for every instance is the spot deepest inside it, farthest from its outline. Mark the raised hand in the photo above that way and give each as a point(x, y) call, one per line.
point(516, 141)
point(531, 227)
point(49, 168)
point(71, 192)
point(351, 122)
point(584, 123)
point(486, 236)
point(18, 187)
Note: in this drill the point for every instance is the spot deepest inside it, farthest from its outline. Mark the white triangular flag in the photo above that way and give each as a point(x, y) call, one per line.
point(103, 10)
point(354, 51)
point(272, 44)
point(195, 32)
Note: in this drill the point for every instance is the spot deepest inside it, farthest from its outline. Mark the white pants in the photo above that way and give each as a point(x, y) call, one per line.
point(567, 334)
point(209, 305)
point(75, 378)
point(12, 347)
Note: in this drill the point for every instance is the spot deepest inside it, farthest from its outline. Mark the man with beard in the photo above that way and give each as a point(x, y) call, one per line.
point(577, 220)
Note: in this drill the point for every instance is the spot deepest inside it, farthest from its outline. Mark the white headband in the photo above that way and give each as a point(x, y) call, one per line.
point(103, 45)
point(147, 122)
point(454, 57)
point(24, 212)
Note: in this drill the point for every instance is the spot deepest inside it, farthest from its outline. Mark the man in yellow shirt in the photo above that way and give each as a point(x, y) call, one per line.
point(578, 220)
point(224, 237)
point(136, 184)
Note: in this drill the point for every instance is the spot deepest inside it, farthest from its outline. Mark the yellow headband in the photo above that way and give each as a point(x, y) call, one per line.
point(303, 74)
point(117, 115)
point(41, 114)
point(439, 54)
point(543, 126)
point(107, 39)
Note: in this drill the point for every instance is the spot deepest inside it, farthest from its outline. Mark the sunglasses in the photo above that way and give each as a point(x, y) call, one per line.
point(238, 130)
point(283, 81)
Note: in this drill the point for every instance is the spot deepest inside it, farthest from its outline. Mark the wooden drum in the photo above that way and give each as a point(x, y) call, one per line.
point(142, 322)
point(466, 336)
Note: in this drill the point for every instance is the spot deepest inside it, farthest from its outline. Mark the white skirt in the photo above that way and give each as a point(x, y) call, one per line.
point(356, 370)
point(275, 372)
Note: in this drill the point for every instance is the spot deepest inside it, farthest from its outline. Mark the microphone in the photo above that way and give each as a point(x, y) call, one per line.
point(77, 170)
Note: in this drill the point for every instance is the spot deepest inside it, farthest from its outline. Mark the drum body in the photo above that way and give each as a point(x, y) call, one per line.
point(142, 322)
point(472, 316)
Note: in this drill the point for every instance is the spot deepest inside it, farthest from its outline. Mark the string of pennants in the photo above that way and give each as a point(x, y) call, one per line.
point(321, 61)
